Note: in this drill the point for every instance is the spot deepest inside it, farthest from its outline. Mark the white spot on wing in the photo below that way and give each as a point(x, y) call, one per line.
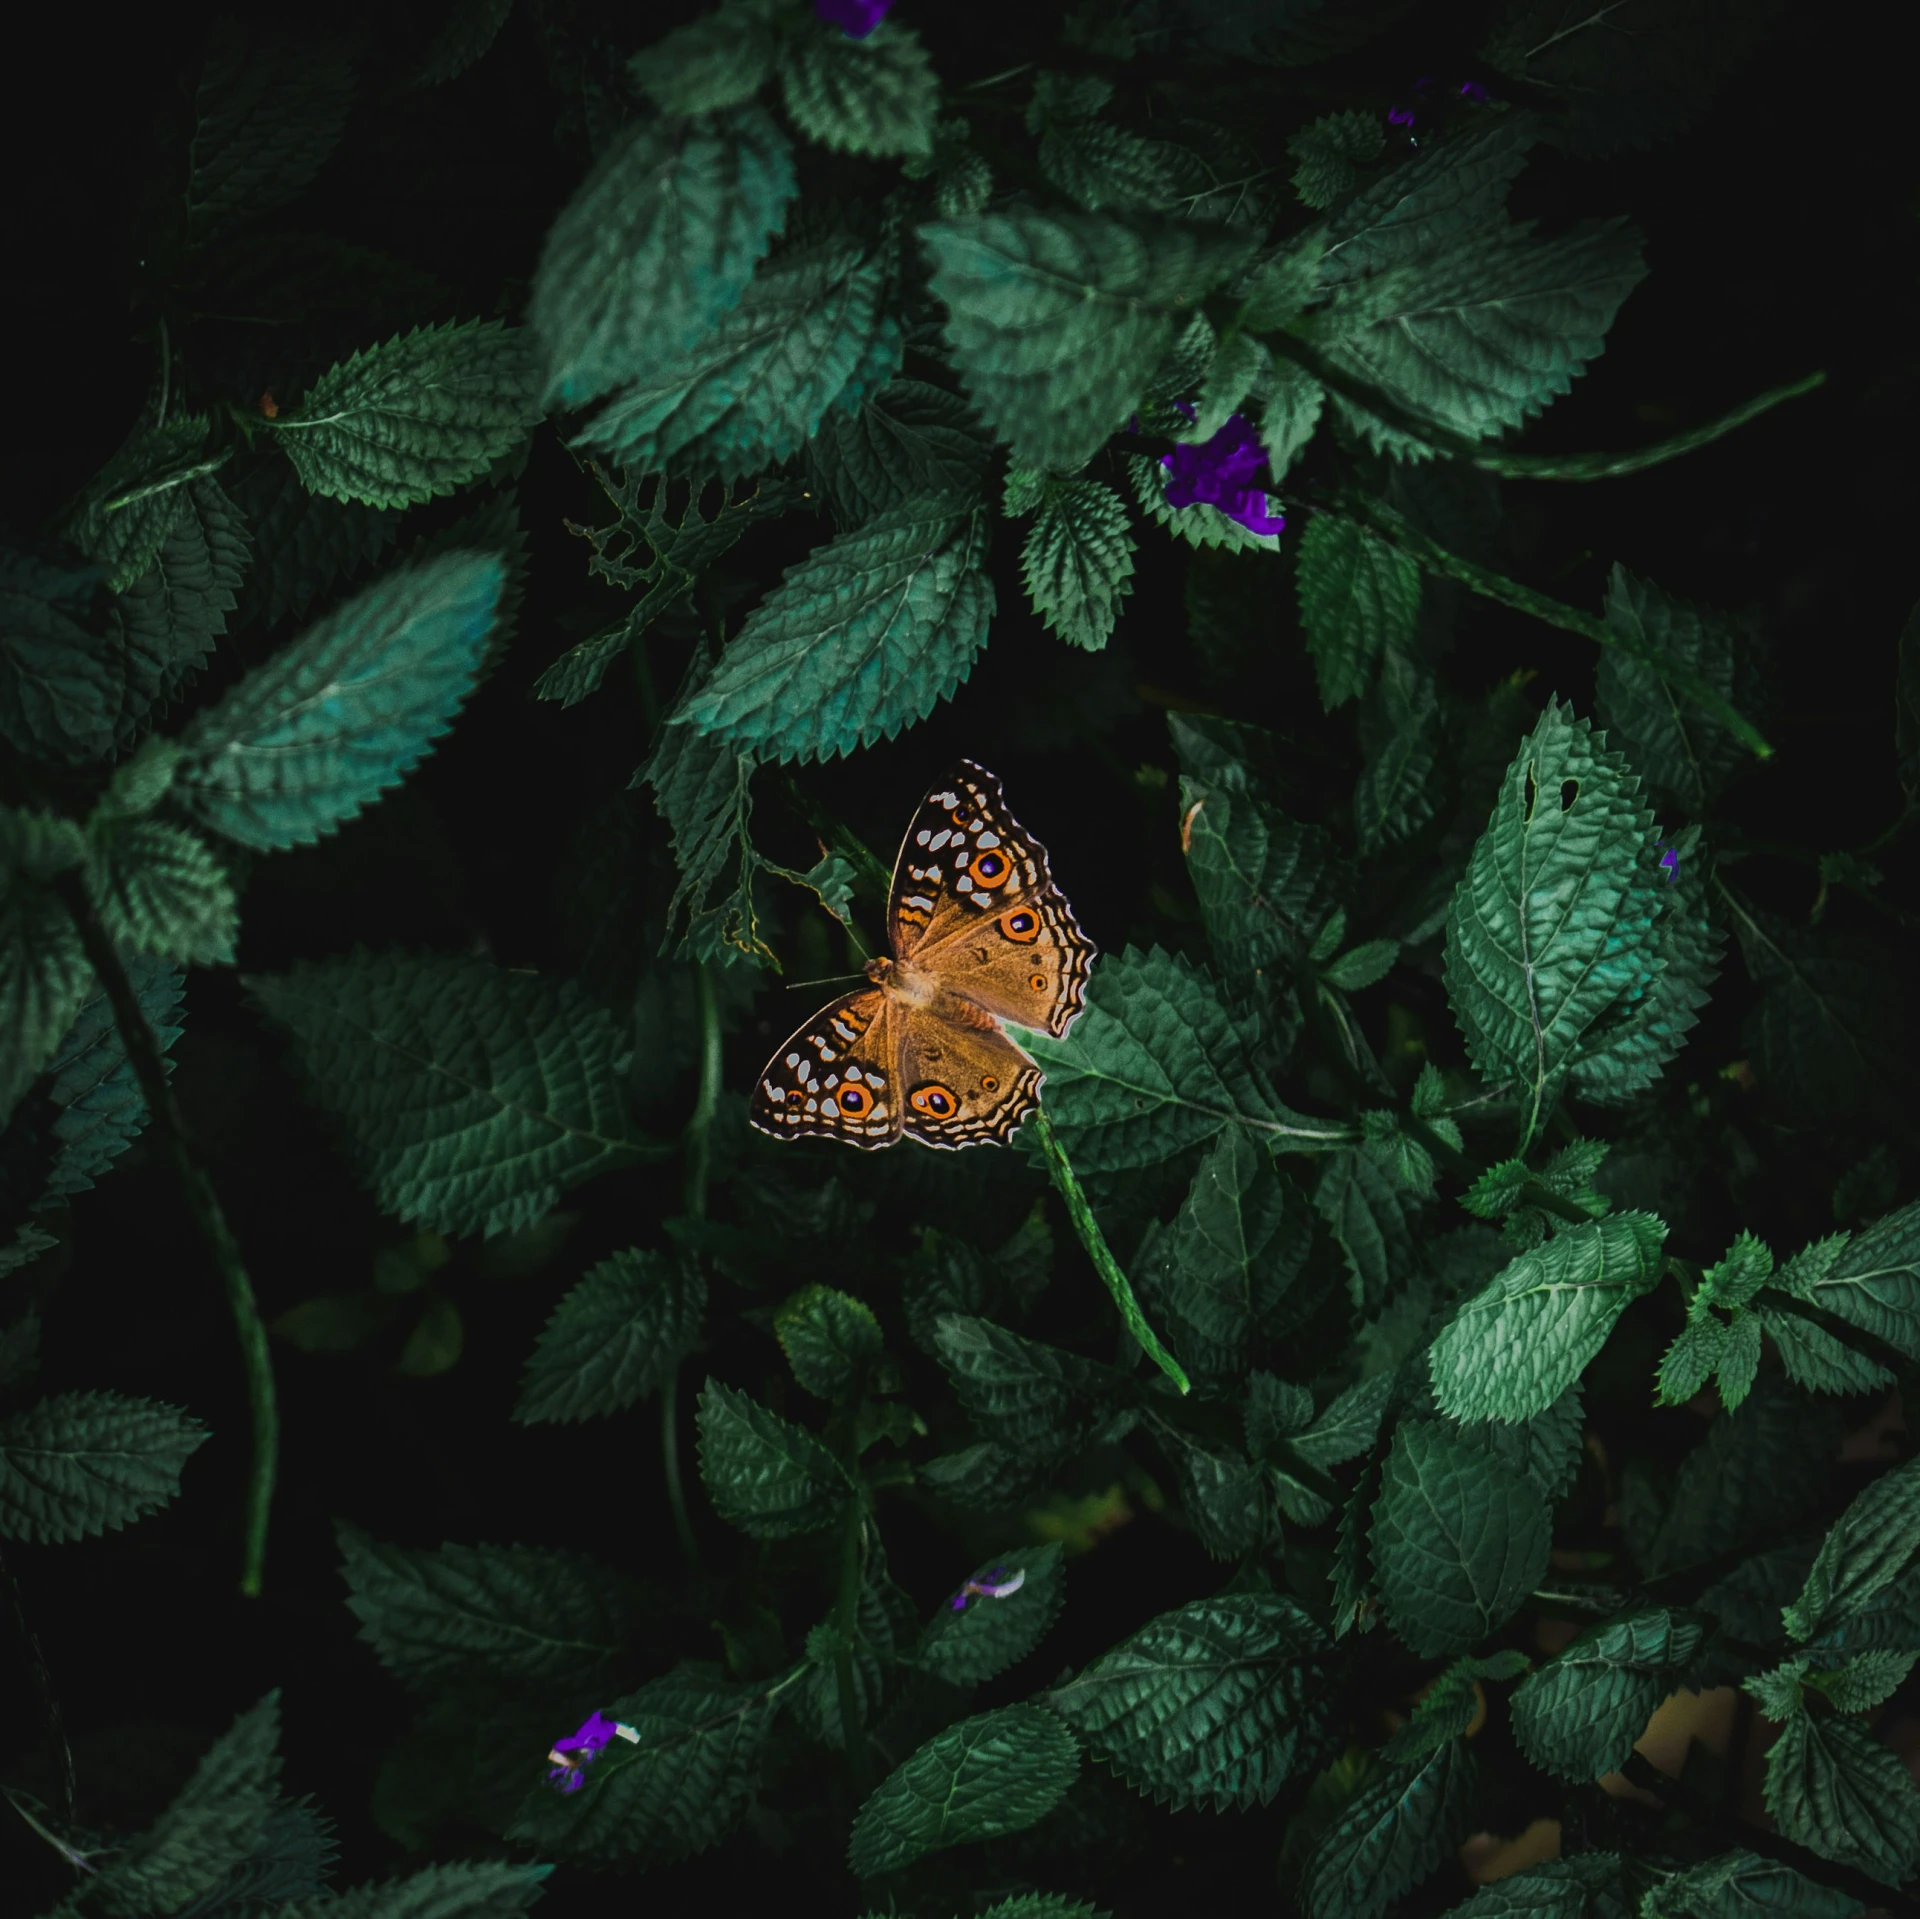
point(988, 841)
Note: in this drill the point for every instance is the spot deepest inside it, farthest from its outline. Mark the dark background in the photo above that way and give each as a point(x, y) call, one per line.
point(1779, 235)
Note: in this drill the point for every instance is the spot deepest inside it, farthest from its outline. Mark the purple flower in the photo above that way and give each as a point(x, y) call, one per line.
point(1474, 93)
point(1669, 860)
point(1400, 117)
point(571, 1754)
point(995, 1586)
point(1219, 473)
point(855, 18)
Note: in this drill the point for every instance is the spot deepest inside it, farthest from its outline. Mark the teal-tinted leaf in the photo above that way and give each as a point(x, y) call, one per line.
point(60, 681)
point(1579, 1715)
point(1289, 417)
point(1057, 320)
point(1329, 152)
point(1033, 1399)
point(1871, 1281)
point(1867, 1681)
point(1832, 1787)
point(1390, 1835)
point(750, 393)
point(303, 542)
point(862, 638)
point(1216, 1285)
point(1867, 1549)
point(1395, 794)
point(331, 721)
point(614, 1338)
point(1450, 1705)
point(908, 441)
point(1078, 561)
point(423, 415)
point(268, 111)
point(995, 1773)
point(1217, 1703)
point(659, 241)
point(162, 890)
point(1548, 932)
point(1358, 596)
point(1222, 1493)
point(1096, 165)
point(1742, 1885)
point(1348, 1426)
point(1370, 1215)
point(875, 95)
point(1514, 1348)
point(1591, 1885)
point(126, 512)
point(1815, 1360)
point(716, 61)
point(1157, 1065)
point(831, 1340)
point(764, 1474)
point(471, 1096)
point(1460, 1538)
point(987, 1636)
point(1362, 966)
point(474, 1889)
point(44, 973)
point(522, 1612)
point(81, 1464)
point(676, 1791)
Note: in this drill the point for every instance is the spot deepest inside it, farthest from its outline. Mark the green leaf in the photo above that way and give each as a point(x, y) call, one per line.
point(1579, 1715)
point(909, 441)
point(1740, 1885)
point(1390, 1836)
point(1460, 1538)
point(268, 111)
point(303, 542)
point(1812, 1358)
point(1155, 1066)
point(1222, 1494)
point(1548, 932)
point(424, 415)
point(1587, 1886)
point(1451, 1704)
point(679, 1789)
point(1329, 152)
point(471, 1096)
point(1370, 1215)
point(1035, 1400)
point(1865, 1551)
point(864, 637)
point(616, 1337)
point(987, 1636)
point(44, 975)
point(1831, 1787)
point(1097, 165)
point(522, 1612)
point(764, 1474)
point(1057, 320)
point(717, 61)
point(659, 241)
point(1078, 561)
point(1216, 1286)
point(162, 890)
point(808, 334)
point(1358, 597)
point(124, 516)
point(995, 1773)
point(831, 1340)
point(1217, 1703)
point(1872, 1283)
point(1515, 1347)
point(1362, 966)
point(1868, 1681)
point(1479, 336)
point(211, 1827)
point(81, 1464)
point(1201, 526)
point(475, 1889)
point(874, 95)
point(61, 684)
point(332, 721)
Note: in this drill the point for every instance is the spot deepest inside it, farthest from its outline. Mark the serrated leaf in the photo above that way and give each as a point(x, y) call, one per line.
point(1078, 561)
point(1217, 1703)
point(475, 1889)
point(658, 242)
point(713, 62)
point(616, 1337)
point(1450, 1706)
point(1866, 1549)
point(1395, 794)
point(1098, 165)
point(471, 1096)
point(1515, 1347)
point(1742, 1885)
point(1030, 1398)
point(160, 889)
point(1370, 1215)
point(877, 94)
point(1390, 1835)
point(1871, 1280)
point(44, 974)
point(1830, 1786)
point(1223, 1495)
point(908, 441)
point(124, 516)
point(987, 1636)
point(1329, 152)
point(523, 1612)
point(864, 637)
point(333, 720)
point(676, 1791)
point(831, 1340)
point(1579, 1715)
point(80, 1464)
point(1156, 1065)
point(1812, 1358)
point(61, 683)
point(293, 1858)
point(764, 1474)
point(1202, 526)
point(1586, 1886)
point(1358, 596)
point(1460, 1538)
point(423, 415)
point(1548, 931)
point(1868, 1681)
point(808, 334)
point(1057, 320)
point(1217, 1283)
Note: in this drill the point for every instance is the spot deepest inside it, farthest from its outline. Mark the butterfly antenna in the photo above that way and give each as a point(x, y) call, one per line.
point(793, 985)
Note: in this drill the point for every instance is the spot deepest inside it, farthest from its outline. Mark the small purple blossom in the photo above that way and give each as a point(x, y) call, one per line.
point(1669, 860)
point(571, 1755)
point(1219, 473)
point(1400, 117)
point(995, 1586)
point(855, 18)
point(1473, 93)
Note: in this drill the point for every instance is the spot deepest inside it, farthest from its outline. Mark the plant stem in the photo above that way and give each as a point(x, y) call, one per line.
point(837, 838)
point(59, 1753)
point(203, 1204)
point(1091, 1237)
point(847, 1619)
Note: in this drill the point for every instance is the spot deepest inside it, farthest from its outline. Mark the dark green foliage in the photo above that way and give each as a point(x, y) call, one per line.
point(614, 1337)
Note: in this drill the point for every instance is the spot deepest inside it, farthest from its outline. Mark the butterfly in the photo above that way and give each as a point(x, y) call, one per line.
point(978, 933)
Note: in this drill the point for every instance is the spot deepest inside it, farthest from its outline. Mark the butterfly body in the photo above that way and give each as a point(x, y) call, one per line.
point(979, 935)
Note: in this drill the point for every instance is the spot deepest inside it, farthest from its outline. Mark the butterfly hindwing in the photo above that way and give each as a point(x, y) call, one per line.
point(836, 1077)
point(962, 1081)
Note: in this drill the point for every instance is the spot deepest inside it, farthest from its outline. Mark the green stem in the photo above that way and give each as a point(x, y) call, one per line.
point(836, 837)
point(846, 1619)
point(1091, 1237)
point(59, 1753)
point(203, 1204)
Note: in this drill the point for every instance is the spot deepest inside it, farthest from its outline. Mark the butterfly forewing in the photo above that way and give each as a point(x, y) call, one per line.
point(974, 903)
point(837, 1076)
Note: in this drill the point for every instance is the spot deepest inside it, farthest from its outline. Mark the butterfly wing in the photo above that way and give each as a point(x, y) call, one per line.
point(975, 904)
point(836, 1078)
point(962, 1082)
